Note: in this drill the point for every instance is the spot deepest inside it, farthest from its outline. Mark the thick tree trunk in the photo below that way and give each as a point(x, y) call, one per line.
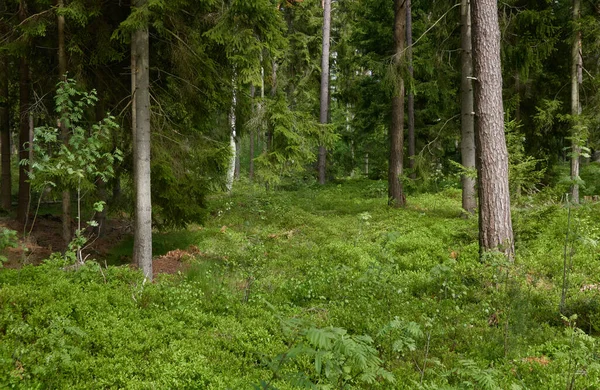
point(324, 113)
point(251, 167)
point(495, 225)
point(395, 192)
point(64, 131)
point(5, 135)
point(411, 96)
point(576, 70)
point(469, 200)
point(141, 158)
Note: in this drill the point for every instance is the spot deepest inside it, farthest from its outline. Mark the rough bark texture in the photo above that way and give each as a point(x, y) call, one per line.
point(64, 131)
point(469, 200)
point(576, 69)
point(324, 113)
point(5, 135)
point(251, 168)
point(24, 84)
point(495, 226)
point(411, 96)
point(141, 158)
point(395, 192)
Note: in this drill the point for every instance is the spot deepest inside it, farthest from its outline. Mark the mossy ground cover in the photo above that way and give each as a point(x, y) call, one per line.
point(320, 287)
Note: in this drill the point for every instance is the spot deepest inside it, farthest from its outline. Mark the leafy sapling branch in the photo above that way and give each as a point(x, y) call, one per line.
point(77, 164)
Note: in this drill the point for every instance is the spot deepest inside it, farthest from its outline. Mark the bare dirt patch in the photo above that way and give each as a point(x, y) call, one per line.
point(39, 243)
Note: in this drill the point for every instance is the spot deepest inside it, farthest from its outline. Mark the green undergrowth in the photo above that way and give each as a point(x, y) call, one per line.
point(322, 288)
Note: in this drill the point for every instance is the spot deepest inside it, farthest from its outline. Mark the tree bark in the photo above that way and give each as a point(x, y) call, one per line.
point(576, 70)
point(141, 158)
point(232, 139)
point(469, 200)
point(24, 85)
point(324, 113)
point(411, 96)
point(251, 168)
point(64, 131)
point(495, 225)
point(395, 192)
point(5, 135)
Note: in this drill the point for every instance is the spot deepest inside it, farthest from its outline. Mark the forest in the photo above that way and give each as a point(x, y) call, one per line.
point(299, 194)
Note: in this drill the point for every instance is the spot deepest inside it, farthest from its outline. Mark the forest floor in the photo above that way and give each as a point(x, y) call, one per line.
point(322, 286)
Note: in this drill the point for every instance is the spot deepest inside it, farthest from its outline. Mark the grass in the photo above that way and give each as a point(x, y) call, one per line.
point(289, 283)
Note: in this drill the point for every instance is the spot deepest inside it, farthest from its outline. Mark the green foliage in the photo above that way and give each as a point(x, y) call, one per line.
point(85, 156)
point(360, 296)
point(8, 238)
point(524, 173)
point(339, 360)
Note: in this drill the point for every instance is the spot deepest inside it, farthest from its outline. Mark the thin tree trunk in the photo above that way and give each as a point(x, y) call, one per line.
point(261, 106)
point(411, 96)
point(5, 134)
point(24, 85)
point(64, 130)
point(232, 137)
point(576, 69)
point(141, 158)
point(469, 200)
point(270, 134)
point(324, 114)
point(395, 191)
point(495, 225)
point(100, 217)
point(251, 168)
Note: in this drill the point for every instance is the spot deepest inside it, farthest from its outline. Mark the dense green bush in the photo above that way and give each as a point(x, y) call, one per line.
point(319, 288)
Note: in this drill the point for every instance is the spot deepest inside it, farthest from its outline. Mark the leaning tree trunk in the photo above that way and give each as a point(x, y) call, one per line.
point(141, 153)
point(395, 192)
point(64, 130)
point(324, 114)
point(495, 226)
point(5, 194)
point(576, 77)
point(24, 85)
point(469, 200)
point(411, 96)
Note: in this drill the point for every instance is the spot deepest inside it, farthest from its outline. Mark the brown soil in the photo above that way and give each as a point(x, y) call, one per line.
point(46, 237)
point(174, 261)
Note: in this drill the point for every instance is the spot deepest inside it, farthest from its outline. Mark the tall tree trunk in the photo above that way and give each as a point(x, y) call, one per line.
point(324, 114)
point(495, 225)
point(469, 200)
point(576, 70)
point(24, 85)
point(232, 137)
point(395, 192)
point(141, 152)
point(64, 130)
point(411, 96)
point(251, 168)
point(5, 134)
point(100, 217)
